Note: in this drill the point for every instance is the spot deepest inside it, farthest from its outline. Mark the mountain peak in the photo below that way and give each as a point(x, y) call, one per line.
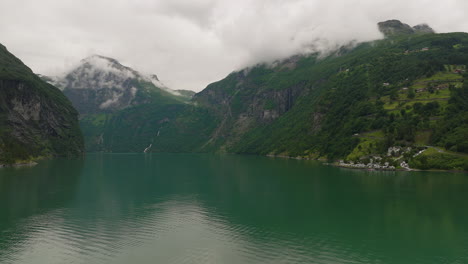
point(97, 56)
point(101, 84)
point(96, 59)
point(396, 27)
point(106, 64)
point(154, 77)
point(423, 28)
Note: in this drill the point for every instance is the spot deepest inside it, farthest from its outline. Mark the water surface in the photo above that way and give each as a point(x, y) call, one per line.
point(189, 208)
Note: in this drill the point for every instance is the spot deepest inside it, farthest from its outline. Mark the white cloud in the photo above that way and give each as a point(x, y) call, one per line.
point(190, 43)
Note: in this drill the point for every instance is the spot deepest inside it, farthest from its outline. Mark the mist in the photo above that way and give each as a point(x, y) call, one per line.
point(191, 43)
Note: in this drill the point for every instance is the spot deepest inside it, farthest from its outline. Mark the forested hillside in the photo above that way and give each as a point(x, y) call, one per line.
point(406, 91)
point(36, 119)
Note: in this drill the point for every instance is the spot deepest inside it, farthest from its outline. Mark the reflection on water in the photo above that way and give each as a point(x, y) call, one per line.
point(187, 208)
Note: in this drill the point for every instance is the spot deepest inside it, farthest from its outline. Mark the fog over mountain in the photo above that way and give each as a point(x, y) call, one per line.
point(191, 43)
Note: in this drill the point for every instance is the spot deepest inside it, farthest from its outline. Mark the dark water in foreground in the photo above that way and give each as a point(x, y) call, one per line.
point(168, 208)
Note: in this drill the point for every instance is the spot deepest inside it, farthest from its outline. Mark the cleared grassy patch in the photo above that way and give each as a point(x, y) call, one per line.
point(396, 107)
point(440, 94)
point(440, 159)
point(442, 102)
point(444, 93)
point(442, 76)
point(391, 105)
point(374, 134)
point(366, 146)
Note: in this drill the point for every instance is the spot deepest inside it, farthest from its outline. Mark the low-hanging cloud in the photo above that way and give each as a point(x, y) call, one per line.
point(190, 43)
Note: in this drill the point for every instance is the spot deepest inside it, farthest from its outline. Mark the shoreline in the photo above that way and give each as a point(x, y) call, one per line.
point(296, 158)
point(369, 169)
point(396, 169)
point(335, 164)
point(19, 165)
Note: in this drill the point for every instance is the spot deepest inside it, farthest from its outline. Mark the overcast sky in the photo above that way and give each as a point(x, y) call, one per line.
point(191, 43)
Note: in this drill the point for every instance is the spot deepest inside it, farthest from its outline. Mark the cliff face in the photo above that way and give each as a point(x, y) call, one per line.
point(245, 105)
point(36, 119)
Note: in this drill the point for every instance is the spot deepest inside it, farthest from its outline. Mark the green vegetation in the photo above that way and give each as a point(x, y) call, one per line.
point(407, 91)
point(407, 97)
point(438, 159)
point(451, 132)
point(36, 119)
point(169, 128)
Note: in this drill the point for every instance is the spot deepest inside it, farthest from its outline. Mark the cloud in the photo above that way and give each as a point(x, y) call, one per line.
point(190, 43)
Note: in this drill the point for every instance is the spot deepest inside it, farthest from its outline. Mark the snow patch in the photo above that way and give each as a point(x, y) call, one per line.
point(109, 102)
point(133, 90)
point(154, 80)
point(99, 72)
point(109, 65)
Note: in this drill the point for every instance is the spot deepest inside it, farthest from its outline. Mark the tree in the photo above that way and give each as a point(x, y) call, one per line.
point(393, 95)
point(411, 93)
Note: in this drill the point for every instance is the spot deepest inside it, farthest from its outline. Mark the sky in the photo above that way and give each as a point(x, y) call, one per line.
point(191, 43)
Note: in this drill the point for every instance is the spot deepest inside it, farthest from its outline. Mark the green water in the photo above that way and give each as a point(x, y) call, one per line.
point(187, 208)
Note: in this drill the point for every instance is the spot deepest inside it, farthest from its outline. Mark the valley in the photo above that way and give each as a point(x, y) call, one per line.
point(352, 105)
point(215, 131)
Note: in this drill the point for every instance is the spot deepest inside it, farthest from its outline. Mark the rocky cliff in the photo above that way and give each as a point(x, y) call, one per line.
point(242, 105)
point(36, 119)
point(395, 27)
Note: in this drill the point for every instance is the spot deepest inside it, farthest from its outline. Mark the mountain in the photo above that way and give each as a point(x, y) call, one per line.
point(398, 100)
point(102, 85)
point(356, 104)
point(395, 27)
point(36, 119)
point(120, 108)
point(186, 93)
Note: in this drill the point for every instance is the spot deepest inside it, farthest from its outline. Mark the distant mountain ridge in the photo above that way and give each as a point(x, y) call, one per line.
point(101, 84)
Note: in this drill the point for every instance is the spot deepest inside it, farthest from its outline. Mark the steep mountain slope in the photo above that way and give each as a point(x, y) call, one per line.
point(318, 103)
point(355, 103)
point(116, 103)
point(121, 109)
point(36, 119)
point(103, 85)
point(361, 102)
point(150, 127)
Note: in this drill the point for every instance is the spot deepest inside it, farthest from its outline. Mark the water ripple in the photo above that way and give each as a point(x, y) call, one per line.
point(112, 215)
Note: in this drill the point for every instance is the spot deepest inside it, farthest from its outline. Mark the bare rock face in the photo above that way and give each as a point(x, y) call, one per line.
point(270, 114)
point(395, 27)
point(36, 119)
point(423, 29)
point(241, 108)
